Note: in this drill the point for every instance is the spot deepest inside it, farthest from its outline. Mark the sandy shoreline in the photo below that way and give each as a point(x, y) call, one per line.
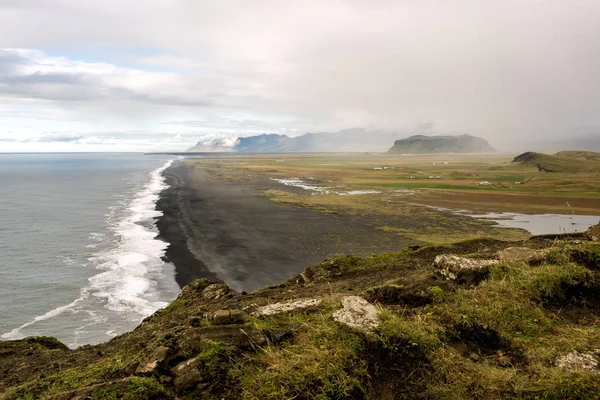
point(226, 231)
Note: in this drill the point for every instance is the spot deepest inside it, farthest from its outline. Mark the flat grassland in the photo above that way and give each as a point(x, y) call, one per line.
point(402, 188)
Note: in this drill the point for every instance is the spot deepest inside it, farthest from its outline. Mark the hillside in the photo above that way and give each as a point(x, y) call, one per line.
point(477, 319)
point(555, 163)
point(420, 144)
point(588, 155)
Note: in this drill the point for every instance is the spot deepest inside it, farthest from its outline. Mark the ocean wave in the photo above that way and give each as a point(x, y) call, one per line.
point(131, 266)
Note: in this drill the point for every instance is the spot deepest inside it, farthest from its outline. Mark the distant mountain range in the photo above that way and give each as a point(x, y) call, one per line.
point(347, 140)
point(420, 144)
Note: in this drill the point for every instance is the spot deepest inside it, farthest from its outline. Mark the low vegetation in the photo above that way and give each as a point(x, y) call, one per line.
point(490, 183)
point(519, 331)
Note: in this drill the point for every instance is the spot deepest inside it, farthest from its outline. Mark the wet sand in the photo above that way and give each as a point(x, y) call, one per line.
point(226, 231)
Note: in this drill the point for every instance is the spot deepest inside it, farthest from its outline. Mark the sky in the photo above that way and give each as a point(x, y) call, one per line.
point(154, 75)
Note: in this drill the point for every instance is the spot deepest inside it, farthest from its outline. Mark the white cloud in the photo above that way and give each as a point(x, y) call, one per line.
point(500, 69)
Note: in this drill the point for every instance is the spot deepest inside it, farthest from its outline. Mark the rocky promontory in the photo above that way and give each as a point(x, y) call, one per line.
point(478, 319)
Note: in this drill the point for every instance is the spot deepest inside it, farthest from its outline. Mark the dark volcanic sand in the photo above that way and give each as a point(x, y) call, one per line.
point(226, 231)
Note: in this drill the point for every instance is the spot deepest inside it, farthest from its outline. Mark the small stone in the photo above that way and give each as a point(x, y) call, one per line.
point(358, 313)
point(165, 379)
point(228, 317)
point(150, 363)
point(474, 357)
point(186, 373)
point(215, 291)
point(576, 361)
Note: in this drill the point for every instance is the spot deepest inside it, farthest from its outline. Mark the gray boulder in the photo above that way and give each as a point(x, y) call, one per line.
point(358, 313)
point(463, 270)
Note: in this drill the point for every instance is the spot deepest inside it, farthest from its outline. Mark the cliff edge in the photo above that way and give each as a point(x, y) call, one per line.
point(478, 319)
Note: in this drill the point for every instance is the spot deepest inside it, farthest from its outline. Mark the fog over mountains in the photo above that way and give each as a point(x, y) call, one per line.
point(344, 140)
point(414, 141)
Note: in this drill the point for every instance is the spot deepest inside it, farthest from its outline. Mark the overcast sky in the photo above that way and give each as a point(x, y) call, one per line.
point(162, 74)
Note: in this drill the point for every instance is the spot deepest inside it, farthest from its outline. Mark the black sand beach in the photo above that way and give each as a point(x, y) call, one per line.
point(226, 231)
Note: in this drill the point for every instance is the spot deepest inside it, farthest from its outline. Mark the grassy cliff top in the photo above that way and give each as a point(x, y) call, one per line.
point(512, 320)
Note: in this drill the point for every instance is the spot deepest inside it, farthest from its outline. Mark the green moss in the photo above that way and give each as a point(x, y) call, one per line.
point(437, 293)
point(138, 388)
point(47, 342)
point(325, 362)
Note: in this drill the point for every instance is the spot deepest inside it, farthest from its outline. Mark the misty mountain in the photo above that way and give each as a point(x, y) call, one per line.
point(420, 144)
point(345, 140)
point(214, 145)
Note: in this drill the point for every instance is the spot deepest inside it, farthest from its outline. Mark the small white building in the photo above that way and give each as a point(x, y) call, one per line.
point(485, 183)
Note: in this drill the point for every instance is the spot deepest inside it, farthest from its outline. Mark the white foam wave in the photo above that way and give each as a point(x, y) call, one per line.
point(128, 284)
point(16, 333)
point(130, 265)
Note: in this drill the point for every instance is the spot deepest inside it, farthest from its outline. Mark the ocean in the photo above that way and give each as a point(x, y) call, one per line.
point(79, 256)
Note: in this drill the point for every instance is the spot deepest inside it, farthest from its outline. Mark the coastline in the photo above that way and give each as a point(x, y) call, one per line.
point(172, 227)
point(226, 231)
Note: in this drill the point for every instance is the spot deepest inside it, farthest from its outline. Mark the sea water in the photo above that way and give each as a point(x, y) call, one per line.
point(79, 256)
